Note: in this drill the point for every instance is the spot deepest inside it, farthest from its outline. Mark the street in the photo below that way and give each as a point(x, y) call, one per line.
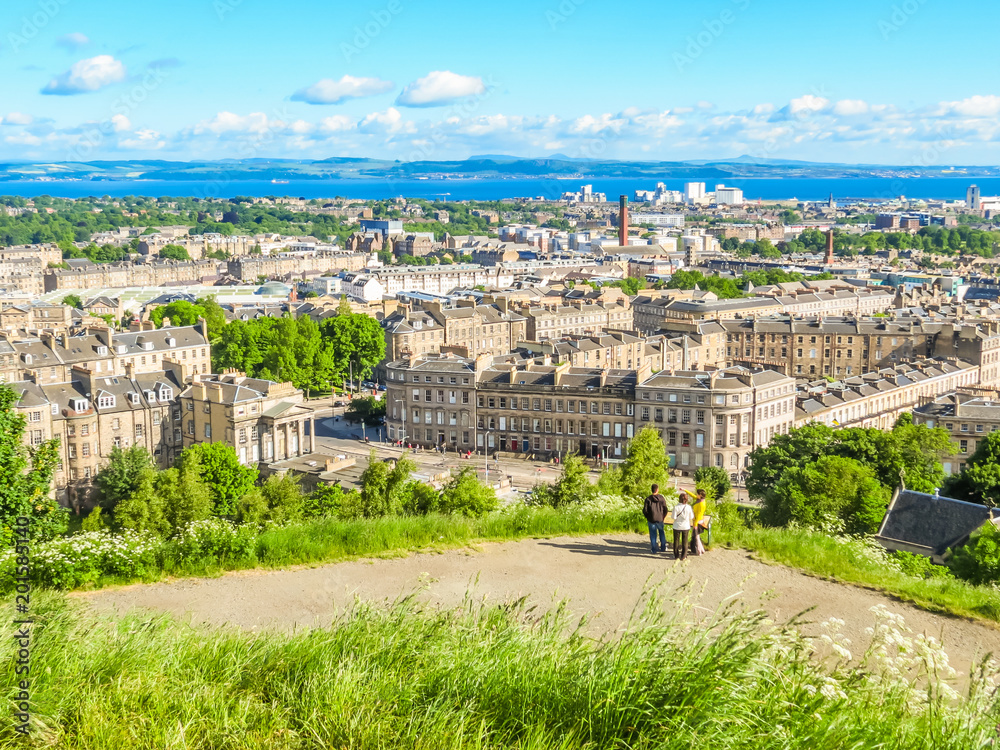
point(336, 435)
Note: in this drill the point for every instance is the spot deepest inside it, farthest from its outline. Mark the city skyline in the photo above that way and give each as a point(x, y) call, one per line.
point(225, 79)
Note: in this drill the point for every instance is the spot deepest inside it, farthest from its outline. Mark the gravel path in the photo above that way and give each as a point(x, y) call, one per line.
point(603, 576)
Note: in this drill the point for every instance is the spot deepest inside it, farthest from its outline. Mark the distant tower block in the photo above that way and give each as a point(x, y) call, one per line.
point(972, 198)
point(829, 248)
point(623, 220)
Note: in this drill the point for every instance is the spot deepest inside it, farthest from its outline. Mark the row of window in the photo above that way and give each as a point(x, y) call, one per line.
point(762, 338)
point(526, 403)
point(550, 426)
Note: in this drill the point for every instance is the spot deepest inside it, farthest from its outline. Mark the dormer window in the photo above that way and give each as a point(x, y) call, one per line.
point(80, 405)
point(55, 409)
point(121, 349)
point(166, 394)
point(133, 397)
point(148, 346)
point(151, 397)
point(106, 402)
point(26, 358)
point(171, 342)
point(102, 351)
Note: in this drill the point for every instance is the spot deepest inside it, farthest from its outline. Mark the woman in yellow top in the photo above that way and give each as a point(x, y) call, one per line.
point(699, 507)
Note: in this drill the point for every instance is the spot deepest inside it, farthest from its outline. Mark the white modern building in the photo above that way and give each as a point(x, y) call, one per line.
point(694, 192)
point(728, 196)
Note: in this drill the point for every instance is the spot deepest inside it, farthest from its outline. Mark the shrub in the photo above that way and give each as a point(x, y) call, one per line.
point(714, 480)
point(919, 566)
point(465, 495)
point(82, 559)
point(330, 501)
point(979, 560)
point(214, 539)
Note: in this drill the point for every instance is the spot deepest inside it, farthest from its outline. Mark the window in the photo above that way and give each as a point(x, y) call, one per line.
point(138, 431)
point(85, 449)
point(208, 431)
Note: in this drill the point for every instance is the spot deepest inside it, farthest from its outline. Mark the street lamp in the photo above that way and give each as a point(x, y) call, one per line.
point(402, 420)
point(486, 454)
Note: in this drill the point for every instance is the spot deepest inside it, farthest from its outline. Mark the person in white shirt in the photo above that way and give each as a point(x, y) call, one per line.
point(683, 518)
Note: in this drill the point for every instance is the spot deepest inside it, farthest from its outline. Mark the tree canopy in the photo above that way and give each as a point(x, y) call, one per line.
point(26, 477)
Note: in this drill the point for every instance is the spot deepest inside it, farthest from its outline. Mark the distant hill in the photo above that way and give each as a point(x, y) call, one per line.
point(480, 166)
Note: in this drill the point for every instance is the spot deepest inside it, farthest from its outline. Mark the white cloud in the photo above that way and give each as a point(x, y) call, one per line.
point(336, 124)
point(593, 125)
point(763, 109)
point(439, 87)
point(390, 121)
point(73, 41)
point(120, 123)
point(850, 107)
point(229, 122)
point(87, 75)
point(17, 118)
point(974, 106)
point(808, 103)
point(329, 91)
point(144, 140)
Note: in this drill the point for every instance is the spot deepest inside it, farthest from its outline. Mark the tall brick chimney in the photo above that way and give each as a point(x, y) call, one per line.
point(829, 248)
point(623, 220)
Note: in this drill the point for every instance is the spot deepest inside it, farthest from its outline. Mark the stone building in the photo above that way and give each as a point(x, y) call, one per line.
point(877, 399)
point(967, 417)
point(840, 347)
point(716, 418)
point(262, 420)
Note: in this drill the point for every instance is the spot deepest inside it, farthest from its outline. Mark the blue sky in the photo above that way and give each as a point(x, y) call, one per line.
point(878, 82)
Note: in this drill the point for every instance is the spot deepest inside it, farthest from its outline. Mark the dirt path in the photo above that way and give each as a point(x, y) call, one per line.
point(603, 576)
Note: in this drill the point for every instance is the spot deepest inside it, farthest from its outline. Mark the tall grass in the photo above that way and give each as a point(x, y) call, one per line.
point(484, 677)
point(865, 564)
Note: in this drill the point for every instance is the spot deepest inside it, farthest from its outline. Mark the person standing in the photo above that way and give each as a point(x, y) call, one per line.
point(655, 510)
point(683, 516)
point(699, 507)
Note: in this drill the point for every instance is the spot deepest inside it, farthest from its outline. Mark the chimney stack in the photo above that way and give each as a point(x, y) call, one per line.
point(829, 247)
point(623, 220)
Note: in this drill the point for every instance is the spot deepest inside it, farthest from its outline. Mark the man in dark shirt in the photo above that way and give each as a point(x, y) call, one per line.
point(655, 510)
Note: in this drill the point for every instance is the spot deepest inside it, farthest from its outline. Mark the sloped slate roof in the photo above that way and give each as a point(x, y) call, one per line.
point(931, 521)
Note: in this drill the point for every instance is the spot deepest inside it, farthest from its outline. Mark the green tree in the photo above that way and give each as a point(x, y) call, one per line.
point(174, 252)
point(980, 481)
point(798, 447)
point(26, 477)
point(73, 300)
point(227, 479)
point(214, 315)
point(465, 495)
point(367, 409)
point(978, 561)
point(381, 486)
point(187, 496)
point(573, 485)
point(120, 478)
point(357, 343)
point(714, 479)
point(331, 501)
point(646, 463)
point(283, 498)
point(827, 491)
point(419, 499)
point(145, 509)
